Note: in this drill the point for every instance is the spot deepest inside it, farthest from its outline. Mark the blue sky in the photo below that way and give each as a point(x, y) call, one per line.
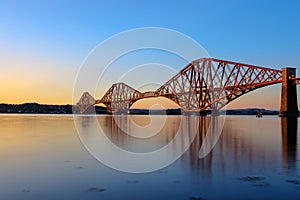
point(39, 39)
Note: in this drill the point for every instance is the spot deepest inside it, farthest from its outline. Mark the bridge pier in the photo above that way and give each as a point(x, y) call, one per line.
point(203, 113)
point(289, 106)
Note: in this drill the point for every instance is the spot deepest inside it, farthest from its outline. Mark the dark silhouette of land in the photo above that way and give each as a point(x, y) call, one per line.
point(35, 108)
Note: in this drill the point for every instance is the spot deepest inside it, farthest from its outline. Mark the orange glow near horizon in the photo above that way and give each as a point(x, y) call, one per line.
point(28, 80)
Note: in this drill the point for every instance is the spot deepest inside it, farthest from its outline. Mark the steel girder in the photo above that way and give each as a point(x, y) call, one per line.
point(211, 83)
point(203, 84)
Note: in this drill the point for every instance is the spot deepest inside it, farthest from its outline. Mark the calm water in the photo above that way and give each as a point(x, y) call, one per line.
point(42, 157)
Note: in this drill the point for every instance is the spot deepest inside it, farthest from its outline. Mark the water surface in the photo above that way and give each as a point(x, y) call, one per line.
point(42, 157)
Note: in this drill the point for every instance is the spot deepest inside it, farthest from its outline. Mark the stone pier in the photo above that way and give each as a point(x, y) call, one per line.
point(289, 106)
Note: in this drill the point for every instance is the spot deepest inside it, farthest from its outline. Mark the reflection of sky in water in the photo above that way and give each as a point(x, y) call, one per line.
point(42, 158)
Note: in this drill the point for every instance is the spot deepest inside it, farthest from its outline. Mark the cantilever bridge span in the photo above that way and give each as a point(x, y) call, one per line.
point(205, 84)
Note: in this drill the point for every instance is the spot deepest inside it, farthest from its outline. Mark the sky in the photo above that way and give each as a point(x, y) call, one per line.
point(44, 43)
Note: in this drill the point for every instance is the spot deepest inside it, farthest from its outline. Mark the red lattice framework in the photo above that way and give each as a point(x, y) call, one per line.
point(204, 84)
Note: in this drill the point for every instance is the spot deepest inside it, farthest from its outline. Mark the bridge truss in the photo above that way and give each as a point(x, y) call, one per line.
point(204, 84)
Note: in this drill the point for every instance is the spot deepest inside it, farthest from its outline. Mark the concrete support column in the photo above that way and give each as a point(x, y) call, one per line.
point(289, 106)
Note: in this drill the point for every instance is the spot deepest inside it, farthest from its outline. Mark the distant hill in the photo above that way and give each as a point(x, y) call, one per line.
point(35, 108)
point(249, 111)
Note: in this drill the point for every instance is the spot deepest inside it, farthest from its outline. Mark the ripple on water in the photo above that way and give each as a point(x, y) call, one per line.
point(252, 178)
point(132, 181)
point(196, 198)
point(95, 189)
point(295, 182)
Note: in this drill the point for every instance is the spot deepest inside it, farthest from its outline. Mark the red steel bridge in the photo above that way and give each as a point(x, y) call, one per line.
point(205, 84)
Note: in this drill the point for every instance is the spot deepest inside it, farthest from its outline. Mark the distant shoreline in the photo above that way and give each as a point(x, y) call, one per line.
point(35, 108)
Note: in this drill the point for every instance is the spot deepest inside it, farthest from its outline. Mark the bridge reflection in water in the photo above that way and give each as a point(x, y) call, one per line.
point(123, 130)
point(245, 144)
point(289, 126)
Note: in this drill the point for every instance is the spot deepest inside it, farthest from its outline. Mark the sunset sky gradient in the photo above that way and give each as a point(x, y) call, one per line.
point(43, 43)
